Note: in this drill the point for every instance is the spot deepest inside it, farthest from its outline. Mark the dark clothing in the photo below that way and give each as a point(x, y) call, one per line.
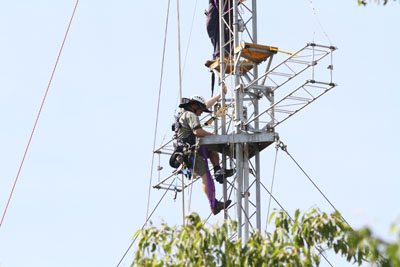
point(213, 26)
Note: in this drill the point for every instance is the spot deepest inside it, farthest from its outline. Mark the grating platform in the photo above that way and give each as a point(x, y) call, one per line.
point(254, 52)
point(249, 54)
point(244, 66)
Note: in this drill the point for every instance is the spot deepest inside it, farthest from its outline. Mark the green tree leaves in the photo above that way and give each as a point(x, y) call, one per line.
point(294, 242)
point(364, 2)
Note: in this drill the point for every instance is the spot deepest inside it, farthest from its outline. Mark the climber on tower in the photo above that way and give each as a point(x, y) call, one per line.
point(212, 24)
point(189, 128)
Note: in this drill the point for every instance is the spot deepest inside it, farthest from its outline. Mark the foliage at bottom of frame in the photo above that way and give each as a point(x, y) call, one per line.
point(296, 241)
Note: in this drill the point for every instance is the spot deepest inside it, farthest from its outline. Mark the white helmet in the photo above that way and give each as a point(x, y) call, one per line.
point(200, 100)
point(185, 102)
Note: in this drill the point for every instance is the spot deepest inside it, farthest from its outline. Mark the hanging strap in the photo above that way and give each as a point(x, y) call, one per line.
point(212, 83)
point(186, 172)
point(211, 187)
point(216, 5)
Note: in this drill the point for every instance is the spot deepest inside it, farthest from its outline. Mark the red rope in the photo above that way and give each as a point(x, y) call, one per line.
point(38, 115)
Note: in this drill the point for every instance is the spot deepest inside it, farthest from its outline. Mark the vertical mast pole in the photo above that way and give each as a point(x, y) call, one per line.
point(238, 120)
point(222, 82)
point(256, 125)
point(246, 190)
point(180, 99)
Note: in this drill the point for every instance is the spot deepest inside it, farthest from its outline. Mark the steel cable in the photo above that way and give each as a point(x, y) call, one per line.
point(290, 217)
point(38, 115)
point(319, 22)
point(272, 186)
point(158, 107)
point(284, 148)
point(147, 219)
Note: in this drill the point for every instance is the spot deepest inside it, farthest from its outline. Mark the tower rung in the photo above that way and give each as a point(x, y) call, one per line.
point(299, 61)
point(282, 74)
point(284, 111)
point(299, 98)
point(299, 105)
point(167, 188)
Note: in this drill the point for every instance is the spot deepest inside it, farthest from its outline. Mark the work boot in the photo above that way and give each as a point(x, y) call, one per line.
point(220, 206)
point(219, 174)
point(209, 63)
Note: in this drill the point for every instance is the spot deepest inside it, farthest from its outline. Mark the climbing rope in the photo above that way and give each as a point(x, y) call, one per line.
point(187, 50)
point(38, 115)
point(190, 197)
point(180, 95)
point(158, 107)
point(183, 72)
point(179, 49)
point(189, 39)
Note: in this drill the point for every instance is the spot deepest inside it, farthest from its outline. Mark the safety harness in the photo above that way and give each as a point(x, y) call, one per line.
point(184, 148)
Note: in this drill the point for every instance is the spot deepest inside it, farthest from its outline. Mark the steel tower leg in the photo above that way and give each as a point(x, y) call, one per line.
point(238, 122)
point(241, 150)
point(256, 125)
point(222, 75)
point(246, 190)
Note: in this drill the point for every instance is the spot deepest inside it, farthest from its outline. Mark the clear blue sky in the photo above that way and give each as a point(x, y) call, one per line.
point(82, 192)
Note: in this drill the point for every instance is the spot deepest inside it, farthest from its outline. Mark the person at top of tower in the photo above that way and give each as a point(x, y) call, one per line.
point(189, 128)
point(212, 24)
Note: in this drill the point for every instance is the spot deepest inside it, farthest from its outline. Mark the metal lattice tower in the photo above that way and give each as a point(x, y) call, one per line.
point(261, 101)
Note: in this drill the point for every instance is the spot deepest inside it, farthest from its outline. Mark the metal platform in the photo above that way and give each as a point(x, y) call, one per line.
point(258, 141)
point(255, 52)
point(244, 66)
point(248, 55)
